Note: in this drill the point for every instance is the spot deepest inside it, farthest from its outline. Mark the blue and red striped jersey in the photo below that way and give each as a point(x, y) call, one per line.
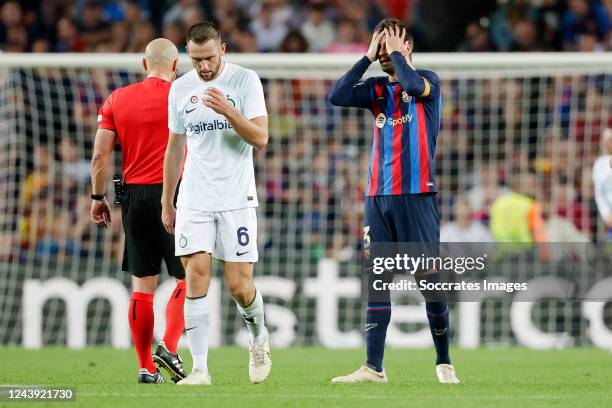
point(405, 127)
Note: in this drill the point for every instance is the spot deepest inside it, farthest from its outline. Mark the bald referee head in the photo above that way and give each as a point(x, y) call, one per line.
point(160, 59)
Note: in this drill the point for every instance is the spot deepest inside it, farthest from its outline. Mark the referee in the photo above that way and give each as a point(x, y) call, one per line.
point(137, 115)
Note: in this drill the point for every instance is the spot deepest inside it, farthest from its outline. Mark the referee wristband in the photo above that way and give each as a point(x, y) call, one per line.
point(97, 196)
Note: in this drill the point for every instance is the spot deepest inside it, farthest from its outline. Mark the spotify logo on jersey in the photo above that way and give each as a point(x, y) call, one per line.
point(381, 120)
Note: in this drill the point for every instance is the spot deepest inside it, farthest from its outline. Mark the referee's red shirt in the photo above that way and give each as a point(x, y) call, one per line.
point(138, 114)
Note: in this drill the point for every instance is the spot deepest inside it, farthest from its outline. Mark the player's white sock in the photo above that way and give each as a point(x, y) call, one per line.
point(196, 326)
point(253, 315)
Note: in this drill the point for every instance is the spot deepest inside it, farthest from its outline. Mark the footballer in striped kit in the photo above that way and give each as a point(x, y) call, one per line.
point(400, 205)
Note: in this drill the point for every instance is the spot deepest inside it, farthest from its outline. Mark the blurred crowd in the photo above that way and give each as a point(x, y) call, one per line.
point(516, 162)
point(525, 147)
point(333, 26)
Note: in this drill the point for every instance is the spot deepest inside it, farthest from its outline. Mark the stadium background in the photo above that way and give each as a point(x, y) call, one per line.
point(526, 124)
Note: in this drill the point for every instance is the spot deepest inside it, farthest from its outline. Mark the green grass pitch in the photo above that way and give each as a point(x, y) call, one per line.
point(504, 377)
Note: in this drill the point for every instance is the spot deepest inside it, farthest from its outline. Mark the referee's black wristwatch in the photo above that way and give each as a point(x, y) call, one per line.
point(98, 197)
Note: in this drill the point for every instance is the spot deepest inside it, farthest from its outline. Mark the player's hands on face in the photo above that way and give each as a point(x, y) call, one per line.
point(100, 213)
point(168, 217)
point(377, 39)
point(394, 40)
point(216, 100)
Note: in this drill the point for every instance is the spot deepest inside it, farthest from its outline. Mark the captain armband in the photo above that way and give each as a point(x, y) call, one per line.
point(426, 90)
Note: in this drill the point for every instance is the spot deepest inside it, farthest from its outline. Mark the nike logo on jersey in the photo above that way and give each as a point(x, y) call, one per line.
point(370, 326)
point(190, 110)
point(241, 253)
point(190, 328)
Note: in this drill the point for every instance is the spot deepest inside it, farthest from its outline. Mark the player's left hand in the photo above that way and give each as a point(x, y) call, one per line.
point(394, 40)
point(216, 100)
point(100, 213)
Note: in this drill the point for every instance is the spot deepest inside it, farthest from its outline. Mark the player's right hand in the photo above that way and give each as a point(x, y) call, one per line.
point(372, 52)
point(168, 217)
point(100, 212)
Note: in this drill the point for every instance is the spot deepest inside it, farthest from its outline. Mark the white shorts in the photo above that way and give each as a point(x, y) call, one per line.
point(228, 235)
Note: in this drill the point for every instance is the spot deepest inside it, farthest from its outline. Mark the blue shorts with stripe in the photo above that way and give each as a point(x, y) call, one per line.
point(402, 218)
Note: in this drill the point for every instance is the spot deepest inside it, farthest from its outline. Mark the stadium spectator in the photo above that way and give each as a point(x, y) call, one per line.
point(175, 33)
point(608, 41)
point(516, 217)
point(268, 34)
point(588, 42)
point(74, 165)
point(97, 20)
point(566, 242)
point(10, 17)
point(602, 181)
point(94, 30)
point(525, 37)
point(16, 39)
point(465, 236)
point(572, 108)
point(464, 228)
point(400, 9)
point(230, 19)
point(192, 16)
point(487, 187)
point(126, 10)
point(143, 34)
point(85, 238)
point(562, 230)
point(38, 180)
point(504, 20)
point(41, 233)
point(566, 205)
point(548, 22)
point(178, 13)
point(317, 29)
point(34, 197)
point(41, 45)
point(294, 41)
point(120, 36)
point(245, 41)
point(477, 39)
point(68, 37)
point(284, 13)
point(584, 17)
point(370, 12)
point(132, 15)
point(348, 39)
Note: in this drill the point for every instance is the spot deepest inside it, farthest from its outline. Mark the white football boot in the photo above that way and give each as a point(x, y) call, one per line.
point(260, 361)
point(362, 375)
point(446, 374)
point(196, 377)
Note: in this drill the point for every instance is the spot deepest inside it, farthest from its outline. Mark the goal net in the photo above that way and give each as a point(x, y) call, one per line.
point(503, 116)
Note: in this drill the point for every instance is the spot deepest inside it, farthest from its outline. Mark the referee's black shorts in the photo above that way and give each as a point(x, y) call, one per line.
point(146, 240)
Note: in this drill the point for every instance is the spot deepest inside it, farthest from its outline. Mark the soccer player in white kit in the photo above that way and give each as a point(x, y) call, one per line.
point(218, 109)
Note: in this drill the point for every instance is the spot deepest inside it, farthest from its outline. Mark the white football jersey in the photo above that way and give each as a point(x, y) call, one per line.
point(218, 173)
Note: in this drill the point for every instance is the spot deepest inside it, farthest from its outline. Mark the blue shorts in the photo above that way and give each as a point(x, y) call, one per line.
point(402, 218)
